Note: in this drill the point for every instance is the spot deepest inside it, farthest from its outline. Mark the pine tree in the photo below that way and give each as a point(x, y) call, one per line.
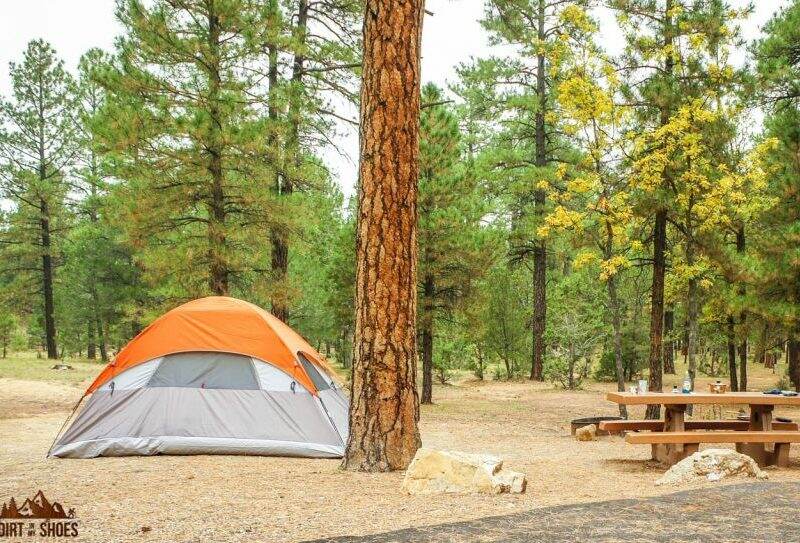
point(670, 59)
point(449, 215)
point(384, 407)
point(594, 204)
point(36, 150)
point(520, 91)
point(779, 231)
point(93, 246)
point(320, 48)
point(186, 125)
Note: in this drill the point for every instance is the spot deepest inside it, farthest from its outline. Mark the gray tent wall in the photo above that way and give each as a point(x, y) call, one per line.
point(209, 403)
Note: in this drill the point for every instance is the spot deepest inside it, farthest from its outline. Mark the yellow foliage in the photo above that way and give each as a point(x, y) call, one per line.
point(583, 259)
point(611, 266)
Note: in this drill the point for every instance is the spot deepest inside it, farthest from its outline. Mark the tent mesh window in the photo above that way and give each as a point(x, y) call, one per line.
point(205, 370)
point(313, 373)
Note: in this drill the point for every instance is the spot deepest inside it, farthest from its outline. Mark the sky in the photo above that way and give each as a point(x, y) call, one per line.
point(451, 35)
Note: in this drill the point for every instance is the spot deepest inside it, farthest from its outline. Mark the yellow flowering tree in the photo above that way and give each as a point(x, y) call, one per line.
point(593, 205)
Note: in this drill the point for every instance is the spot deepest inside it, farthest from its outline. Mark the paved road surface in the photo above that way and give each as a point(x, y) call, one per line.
point(749, 512)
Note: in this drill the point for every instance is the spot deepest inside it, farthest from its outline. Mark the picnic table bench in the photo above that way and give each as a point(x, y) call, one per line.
point(675, 438)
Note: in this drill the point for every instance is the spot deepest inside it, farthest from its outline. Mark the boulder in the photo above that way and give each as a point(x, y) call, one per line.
point(711, 465)
point(433, 472)
point(586, 433)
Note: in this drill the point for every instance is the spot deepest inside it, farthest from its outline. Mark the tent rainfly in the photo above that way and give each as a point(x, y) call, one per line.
point(214, 376)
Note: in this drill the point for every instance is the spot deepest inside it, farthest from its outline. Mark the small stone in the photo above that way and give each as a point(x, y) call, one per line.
point(586, 433)
point(511, 482)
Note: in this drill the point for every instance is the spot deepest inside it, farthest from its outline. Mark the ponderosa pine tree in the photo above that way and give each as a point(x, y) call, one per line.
point(318, 42)
point(37, 147)
point(518, 97)
point(449, 215)
point(92, 184)
point(384, 407)
point(186, 128)
point(779, 284)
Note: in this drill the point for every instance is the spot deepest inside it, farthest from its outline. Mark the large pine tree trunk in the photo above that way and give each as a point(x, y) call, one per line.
point(427, 339)
point(384, 408)
point(538, 322)
point(669, 343)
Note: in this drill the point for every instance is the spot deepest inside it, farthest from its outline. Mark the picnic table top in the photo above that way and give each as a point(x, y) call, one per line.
point(727, 398)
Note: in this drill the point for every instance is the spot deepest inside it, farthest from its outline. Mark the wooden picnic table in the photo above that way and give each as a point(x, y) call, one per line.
point(673, 442)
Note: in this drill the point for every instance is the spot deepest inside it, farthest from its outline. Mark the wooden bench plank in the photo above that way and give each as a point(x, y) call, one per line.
point(729, 398)
point(714, 437)
point(658, 425)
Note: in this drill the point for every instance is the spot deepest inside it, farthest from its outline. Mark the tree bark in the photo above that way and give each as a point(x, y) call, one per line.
point(732, 355)
point(91, 343)
point(740, 248)
point(218, 266)
point(47, 281)
point(669, 343)
point(657, 309)
point(659, 246)
point(384, 408)
point(428, 290)
point(538, 322)
point(616, 324)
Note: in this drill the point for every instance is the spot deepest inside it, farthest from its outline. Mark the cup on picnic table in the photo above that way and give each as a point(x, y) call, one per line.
point(642, 388)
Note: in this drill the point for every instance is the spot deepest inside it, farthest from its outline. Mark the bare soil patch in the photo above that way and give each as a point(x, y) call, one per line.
point(229, 498)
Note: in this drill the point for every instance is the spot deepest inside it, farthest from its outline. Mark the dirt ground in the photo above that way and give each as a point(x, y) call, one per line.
point(230, 498)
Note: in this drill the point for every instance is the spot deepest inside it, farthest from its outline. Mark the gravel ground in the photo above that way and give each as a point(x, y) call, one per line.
point(233, 499)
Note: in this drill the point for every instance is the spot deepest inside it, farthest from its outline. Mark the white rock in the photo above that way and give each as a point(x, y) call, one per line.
point(586, 433)
point(433, 472)
point(712, 465)
point(508, 481)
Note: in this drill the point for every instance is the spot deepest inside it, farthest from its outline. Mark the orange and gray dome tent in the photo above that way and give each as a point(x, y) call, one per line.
point(214, 376)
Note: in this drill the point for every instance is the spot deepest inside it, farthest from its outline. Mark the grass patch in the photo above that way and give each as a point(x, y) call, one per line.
point(39, 369)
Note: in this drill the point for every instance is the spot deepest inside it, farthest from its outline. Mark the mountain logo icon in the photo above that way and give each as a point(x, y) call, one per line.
point(38, 507)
